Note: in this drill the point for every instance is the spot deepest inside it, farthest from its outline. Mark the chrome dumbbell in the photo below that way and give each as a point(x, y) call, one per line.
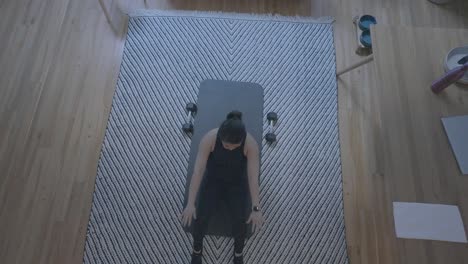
point(272, 118)
point(191, 111)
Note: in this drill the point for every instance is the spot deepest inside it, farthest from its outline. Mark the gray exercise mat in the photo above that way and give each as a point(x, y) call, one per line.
point(215, 100)
point(456, 128)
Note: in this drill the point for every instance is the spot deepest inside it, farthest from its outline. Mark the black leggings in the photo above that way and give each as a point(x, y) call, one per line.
point(210, 196)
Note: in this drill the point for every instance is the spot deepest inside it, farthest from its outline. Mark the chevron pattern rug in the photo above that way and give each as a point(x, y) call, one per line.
point(141, 172)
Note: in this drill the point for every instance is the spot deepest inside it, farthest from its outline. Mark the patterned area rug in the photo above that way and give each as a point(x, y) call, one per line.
point(141, 172)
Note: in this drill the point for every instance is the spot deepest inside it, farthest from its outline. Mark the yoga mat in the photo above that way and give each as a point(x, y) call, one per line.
point(215, 100)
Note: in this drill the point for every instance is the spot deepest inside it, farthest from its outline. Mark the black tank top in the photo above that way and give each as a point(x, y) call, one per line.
point(227, 166)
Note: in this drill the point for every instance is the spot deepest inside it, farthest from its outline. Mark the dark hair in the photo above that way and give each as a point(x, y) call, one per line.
point(232, 130)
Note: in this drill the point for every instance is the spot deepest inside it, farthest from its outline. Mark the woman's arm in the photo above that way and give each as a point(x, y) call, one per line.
point(253, 169)
point(204, 149)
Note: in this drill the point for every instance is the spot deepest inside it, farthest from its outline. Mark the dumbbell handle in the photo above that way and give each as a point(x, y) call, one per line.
point(189, 117)
point(270, 126)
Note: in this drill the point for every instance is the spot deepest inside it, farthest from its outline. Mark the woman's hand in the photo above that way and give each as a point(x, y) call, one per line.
point(186, 216)
point(257, 220)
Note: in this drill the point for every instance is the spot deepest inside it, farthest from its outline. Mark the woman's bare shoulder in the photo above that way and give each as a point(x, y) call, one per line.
point(250, 144)
point(210, 138)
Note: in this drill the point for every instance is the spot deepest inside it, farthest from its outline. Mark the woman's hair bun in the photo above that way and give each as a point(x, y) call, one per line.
point(234, 115)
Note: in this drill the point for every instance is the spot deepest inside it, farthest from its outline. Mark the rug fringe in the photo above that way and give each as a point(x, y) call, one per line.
point(230, 15)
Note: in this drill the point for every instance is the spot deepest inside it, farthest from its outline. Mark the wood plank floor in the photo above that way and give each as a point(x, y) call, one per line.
point(59, 62)
point(416, 163)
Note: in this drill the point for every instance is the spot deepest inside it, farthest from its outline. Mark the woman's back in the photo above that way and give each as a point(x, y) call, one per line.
point(227, 166)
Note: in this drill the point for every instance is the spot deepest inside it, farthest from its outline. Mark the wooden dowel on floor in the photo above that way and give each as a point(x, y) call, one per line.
point(354, 66)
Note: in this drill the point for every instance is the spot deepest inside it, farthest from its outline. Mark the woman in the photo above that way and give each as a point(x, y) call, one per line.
point(227, 153)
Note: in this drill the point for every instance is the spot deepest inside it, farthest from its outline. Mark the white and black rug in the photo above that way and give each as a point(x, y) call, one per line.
point(141, 173)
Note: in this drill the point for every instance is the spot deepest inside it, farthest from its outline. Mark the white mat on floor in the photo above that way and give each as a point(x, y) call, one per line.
point(141, 175)
point(456, 128)
point(429, 221)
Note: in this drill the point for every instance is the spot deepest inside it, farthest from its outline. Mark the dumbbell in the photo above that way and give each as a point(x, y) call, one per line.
point(272, 117)
point(192, 110)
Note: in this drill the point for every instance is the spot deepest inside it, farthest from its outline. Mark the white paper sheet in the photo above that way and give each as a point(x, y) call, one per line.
point(429, 221)
point(456, 128)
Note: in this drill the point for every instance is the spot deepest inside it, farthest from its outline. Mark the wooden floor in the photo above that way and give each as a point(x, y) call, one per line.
point(59, 61)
